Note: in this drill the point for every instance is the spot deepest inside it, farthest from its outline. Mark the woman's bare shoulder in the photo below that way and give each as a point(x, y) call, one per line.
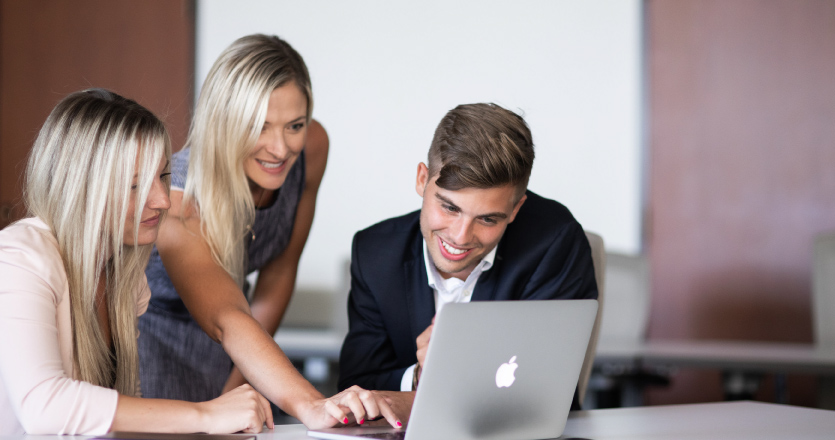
point(183, 220)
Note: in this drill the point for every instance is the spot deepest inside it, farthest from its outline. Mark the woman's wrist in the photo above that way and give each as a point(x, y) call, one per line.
point(198, 418)
point(303, 406)
point(161, 415)
point(303, 410)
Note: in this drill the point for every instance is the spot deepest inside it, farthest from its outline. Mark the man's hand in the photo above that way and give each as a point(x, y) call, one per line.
point(423, 343)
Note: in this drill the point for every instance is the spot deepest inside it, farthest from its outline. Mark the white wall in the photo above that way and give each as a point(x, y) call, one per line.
point(384, 73)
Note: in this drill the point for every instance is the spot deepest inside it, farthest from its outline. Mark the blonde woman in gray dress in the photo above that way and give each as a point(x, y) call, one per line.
point(243, 197)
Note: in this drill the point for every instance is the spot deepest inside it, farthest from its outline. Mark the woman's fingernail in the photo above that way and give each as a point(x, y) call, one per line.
point(399, 424)
point(345, 421)
point(361, 421)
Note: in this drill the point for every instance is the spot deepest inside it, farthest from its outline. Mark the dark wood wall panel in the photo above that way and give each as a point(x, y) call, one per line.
point(742, 141)
point(143, 50)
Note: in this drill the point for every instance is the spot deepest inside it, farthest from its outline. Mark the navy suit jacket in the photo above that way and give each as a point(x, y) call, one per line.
point(544, 254)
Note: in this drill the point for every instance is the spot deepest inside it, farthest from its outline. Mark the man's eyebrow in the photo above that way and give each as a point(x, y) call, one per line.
point(445, 200)
point(500, 215)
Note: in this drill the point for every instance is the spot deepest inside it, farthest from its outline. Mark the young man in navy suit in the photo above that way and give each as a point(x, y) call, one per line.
point(479, 236)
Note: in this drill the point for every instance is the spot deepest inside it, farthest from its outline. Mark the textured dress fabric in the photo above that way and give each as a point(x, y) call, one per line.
point(37, 392)
point(178, 360)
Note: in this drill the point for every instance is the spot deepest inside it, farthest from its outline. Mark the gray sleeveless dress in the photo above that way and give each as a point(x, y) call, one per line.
point(177, 360)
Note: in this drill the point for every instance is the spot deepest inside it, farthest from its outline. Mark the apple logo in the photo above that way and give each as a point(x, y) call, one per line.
point(506, 374)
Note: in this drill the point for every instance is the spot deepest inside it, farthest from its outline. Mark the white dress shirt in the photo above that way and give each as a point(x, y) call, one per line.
point(451, 290)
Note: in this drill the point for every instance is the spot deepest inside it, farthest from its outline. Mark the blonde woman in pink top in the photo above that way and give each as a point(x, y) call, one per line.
point(72, 281)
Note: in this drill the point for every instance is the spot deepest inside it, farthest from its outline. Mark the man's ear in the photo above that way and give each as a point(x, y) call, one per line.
point(516, 208)
point(422, 178)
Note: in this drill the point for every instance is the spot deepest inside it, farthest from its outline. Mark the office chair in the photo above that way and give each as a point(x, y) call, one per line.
point(598, 256)
point(823, 290)
point(624, 324)
point(626, 318)
point(823, 308)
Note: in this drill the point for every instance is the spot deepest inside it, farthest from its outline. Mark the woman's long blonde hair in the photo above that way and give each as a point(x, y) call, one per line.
point(227, 121)
point(78, 181)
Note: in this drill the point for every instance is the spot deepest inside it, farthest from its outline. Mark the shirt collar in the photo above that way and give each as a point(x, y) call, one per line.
point(434, 279)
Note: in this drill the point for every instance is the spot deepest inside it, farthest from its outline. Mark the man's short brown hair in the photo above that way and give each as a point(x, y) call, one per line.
point(481, 146)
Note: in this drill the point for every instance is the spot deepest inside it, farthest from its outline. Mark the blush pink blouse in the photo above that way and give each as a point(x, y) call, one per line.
point(37, 392)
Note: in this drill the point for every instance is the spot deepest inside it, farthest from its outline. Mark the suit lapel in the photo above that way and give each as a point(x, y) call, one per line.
point(487, 284)
point(420, 298)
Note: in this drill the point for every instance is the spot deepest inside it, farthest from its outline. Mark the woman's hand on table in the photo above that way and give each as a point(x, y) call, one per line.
point(355, 405)
point(242, 409)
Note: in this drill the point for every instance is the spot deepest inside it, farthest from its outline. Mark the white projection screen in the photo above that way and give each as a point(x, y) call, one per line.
point(385, 72)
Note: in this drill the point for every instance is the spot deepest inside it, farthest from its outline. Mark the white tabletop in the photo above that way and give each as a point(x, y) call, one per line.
point(708, 421)
point(769, 357)
point(303, 343)
point(705, 421)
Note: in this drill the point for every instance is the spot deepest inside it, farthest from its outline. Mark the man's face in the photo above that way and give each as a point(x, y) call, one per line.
point(461, 227)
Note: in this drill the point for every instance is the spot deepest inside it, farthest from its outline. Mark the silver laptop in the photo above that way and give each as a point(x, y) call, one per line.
point(495, 370)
